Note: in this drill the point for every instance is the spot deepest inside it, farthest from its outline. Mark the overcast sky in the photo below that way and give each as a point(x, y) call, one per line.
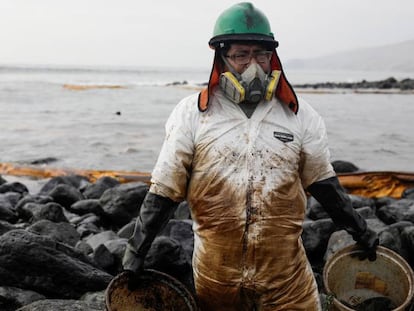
point(176, 32)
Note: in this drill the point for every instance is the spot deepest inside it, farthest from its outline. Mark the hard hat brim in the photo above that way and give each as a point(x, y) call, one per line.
point(226, 39)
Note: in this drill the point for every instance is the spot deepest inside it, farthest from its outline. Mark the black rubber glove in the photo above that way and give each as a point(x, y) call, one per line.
point(154, 214)
point(368, 242)
point(333, 198)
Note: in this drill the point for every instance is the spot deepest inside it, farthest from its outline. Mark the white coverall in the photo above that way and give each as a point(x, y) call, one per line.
point(244, 180)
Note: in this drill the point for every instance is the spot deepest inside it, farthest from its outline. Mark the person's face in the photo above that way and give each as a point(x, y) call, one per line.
point(240, 56)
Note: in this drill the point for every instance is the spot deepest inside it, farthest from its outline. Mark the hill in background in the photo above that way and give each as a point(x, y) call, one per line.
point(397, 57)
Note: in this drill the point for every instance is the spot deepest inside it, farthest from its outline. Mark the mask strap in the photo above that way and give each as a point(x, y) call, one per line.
point(271, 83)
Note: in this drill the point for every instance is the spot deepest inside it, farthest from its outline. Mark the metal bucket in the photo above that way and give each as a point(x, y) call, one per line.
point(352, 281)
point(155, 291)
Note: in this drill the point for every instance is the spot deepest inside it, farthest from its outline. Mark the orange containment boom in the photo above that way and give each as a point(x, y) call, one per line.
point(91, 175)
point(366, 184)
point(377, 184)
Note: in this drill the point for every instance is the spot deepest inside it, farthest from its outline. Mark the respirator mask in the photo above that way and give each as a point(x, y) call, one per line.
point(252, 85)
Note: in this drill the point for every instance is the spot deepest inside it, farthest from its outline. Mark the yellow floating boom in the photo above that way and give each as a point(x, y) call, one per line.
point(91, 175)
point(377, 184)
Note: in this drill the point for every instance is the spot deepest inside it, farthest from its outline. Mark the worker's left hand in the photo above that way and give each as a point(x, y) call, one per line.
point(368, 242)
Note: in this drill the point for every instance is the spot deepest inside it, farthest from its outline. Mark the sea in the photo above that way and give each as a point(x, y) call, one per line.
point(110, 118)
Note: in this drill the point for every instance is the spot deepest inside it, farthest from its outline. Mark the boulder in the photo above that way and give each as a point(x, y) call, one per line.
point(39, 199)
point(72, 180)
point(50, 211)
point(314, 210)
point(86, 218)
point(181, 231)
point(62, 232)
point(338, 240)
point(167, 255)
point(407, 239)
point(117, 247)
point(61, 305)
point(96, 298)
point(408, 194)
point(359, 201)
point(101, 238)
point(83, 207)
point(391, 237)
point(95, 190)
point(87, 225)
point(5, 226)
point(13, 197)
point(315, 236)
point(14, 187)
point(40, 264)
point(32, 212)
point(366, 212)
point(65, 195)
point(383, 201)
point(7, 211)
point(12, 298)
point(123, 202)
point(182, 211)
point(87, 229)
point(84, 248)
point(340, 166)
point(127, 230)
point(104, 259)
point(398, 211)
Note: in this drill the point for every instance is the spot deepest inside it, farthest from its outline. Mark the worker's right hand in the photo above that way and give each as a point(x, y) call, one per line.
point(154, 214)
point(132, 261)
point(133, 280)
point(134, 266)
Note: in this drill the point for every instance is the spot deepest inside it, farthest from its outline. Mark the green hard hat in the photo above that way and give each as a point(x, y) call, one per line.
point(242, 22)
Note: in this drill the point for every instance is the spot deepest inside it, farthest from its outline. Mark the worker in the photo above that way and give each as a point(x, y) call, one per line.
point(242, 153)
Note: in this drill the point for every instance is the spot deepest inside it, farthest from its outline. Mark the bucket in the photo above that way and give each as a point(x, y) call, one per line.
point(155, 291)
point(355, 283)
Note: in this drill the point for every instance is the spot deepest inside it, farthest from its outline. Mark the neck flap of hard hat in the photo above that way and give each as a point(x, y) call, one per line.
point(284, 90)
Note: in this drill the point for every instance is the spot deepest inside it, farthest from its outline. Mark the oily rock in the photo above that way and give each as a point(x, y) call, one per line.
point(39, 263)
point(397, 211)
point(61, 305)
point(122, 203)
point(12, 298)
point(95, 190)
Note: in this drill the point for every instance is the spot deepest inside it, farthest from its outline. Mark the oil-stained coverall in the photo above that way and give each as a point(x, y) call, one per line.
point(244, 180)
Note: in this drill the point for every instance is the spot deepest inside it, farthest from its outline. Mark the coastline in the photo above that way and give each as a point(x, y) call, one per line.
point(322, 90)
point(386, 86)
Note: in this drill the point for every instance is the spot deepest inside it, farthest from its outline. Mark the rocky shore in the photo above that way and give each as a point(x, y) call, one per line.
point(387, 84)
point(61, 245)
